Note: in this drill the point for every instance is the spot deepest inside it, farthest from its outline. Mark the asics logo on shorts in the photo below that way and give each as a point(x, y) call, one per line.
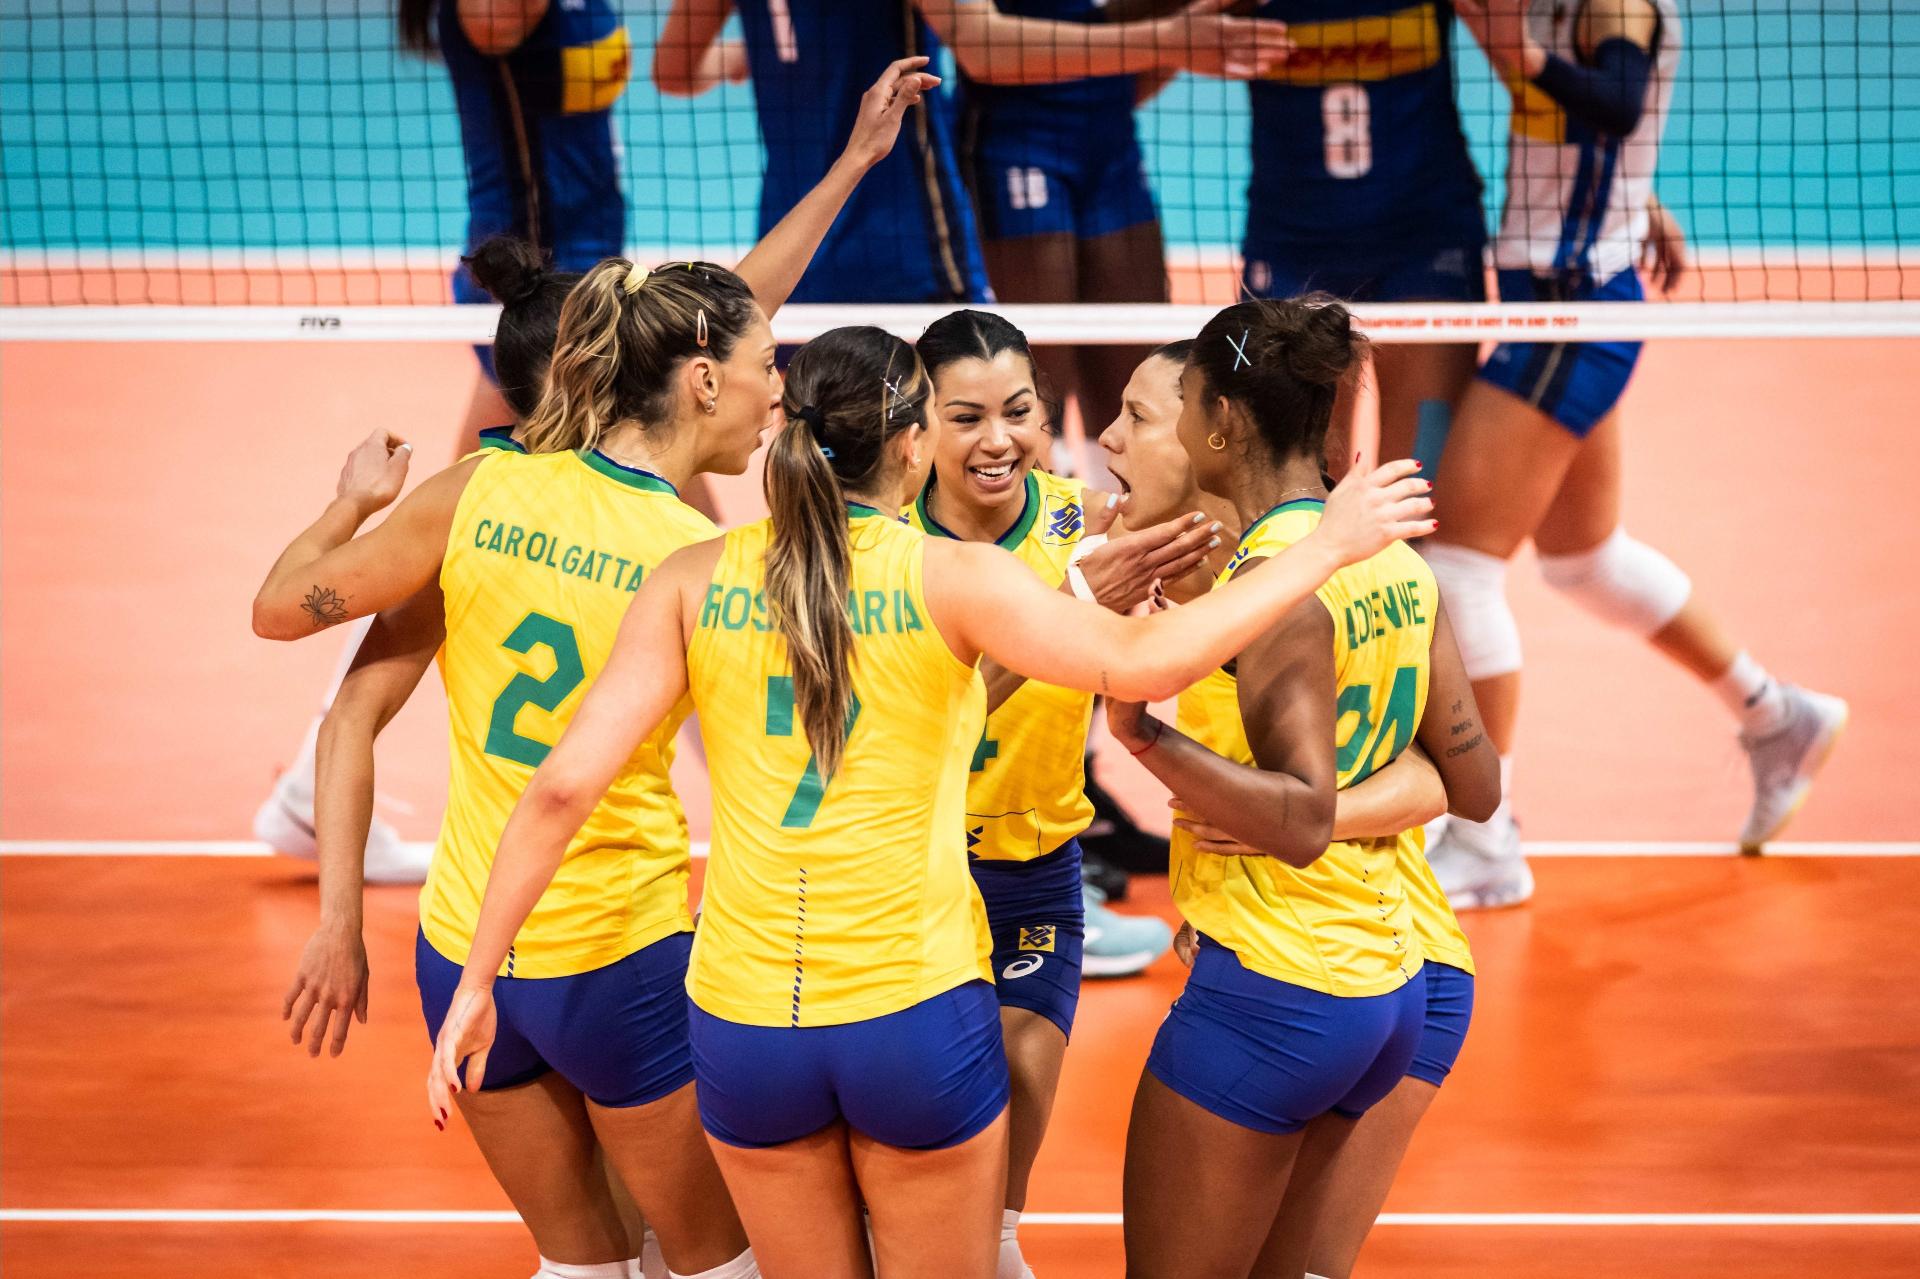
point(1037, 937)
point(1023, 966)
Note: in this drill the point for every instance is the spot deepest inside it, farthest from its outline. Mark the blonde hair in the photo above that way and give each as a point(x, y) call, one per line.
point(848, 392)
point(623, 333)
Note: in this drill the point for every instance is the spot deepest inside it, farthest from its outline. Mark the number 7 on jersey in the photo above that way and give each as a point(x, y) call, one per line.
point(807, 795)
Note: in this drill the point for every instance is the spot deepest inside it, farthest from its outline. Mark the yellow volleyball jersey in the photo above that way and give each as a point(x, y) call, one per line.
point(545, 553)
point(1343, 925)
point(843, 899)
point(1434, 923)
point(1027, 794)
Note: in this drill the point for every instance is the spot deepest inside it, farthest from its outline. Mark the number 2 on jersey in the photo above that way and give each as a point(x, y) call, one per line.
point(536, 630)
point(1346, 122)
point(807, 795)
point(1395, 728)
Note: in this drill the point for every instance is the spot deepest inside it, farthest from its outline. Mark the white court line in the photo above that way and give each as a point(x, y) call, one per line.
point(1534, 848)
point(386, 1217)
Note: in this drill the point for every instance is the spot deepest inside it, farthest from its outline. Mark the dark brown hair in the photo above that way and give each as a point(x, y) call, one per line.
point(530, 297)
point(848, 392)
point(1282, 361)
point(980, 335)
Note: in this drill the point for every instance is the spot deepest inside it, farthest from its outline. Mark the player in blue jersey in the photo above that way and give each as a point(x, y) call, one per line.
point(1066, 211)
point(1362, 186)
point(535, 82)
point(1538, 449)
point(909, 235)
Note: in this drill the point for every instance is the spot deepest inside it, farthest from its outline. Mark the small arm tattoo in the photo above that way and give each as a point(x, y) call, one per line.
point(325, 607)
point(1466, 746)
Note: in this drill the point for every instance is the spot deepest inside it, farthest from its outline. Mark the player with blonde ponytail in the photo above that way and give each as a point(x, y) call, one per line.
point(657, 376)
point(832, 654)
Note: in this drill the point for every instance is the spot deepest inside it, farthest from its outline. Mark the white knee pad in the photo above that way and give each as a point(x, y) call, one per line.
point(1622, 581)
point(1474, 586)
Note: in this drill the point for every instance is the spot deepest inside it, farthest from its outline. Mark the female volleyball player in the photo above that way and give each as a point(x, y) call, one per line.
point(831, 653)
point(1362, 186)
point(1026, 794)
point(1340, 1178)
point(1537, 450)
point(332, 979)
point(595, 1008)
point(1308, 991)
point(1146, 460)
point(534, 83)
point(910, 236)
point(330, 986)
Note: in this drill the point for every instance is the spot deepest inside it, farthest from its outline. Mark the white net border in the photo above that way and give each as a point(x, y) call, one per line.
point(1105, 325)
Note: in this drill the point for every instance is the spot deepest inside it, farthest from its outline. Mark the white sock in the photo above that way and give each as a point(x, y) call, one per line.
point(1012, 1264)
point(1754, 697)
point(741, 1267)
point(591, 1270)
point(1488, 838)
point(649, 1264)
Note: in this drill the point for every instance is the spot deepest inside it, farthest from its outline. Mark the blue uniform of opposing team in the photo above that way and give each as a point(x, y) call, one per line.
point(1362, 183)
point(537, 129)
point(1057, 158)
point(907, 233)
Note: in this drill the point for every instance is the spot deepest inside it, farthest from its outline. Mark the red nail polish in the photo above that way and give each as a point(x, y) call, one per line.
point(1418, 464)
point(437, 1124)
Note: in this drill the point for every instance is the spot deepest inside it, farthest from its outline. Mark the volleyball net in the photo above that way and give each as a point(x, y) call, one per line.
point(248, 170)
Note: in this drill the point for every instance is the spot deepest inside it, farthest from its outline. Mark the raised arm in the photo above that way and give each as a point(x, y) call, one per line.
point(985, 601)
point(999, 48)
point(330, 987)
point(1450, 730)
point(774, 267)
point(645, 676)
point(327, 575)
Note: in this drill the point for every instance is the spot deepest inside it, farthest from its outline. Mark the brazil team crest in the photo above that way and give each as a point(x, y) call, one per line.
point(1060, 520)
point(1037, 937)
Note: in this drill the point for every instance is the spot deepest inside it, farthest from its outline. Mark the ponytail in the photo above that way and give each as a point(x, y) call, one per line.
point(578, 406)
point(809, 571)
point(624, 333)
point(848, 392)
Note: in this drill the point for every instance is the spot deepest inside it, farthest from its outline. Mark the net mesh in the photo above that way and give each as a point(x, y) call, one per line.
point(291, 153)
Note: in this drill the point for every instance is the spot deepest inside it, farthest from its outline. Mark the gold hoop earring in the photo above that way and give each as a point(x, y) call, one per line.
point(1216, 441)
